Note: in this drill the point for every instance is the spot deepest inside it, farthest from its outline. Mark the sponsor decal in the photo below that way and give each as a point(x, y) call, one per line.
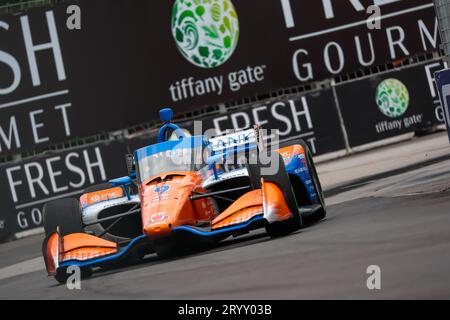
point(288, 153)
point(217, 85)
point(158, 217)
point(163, 189)
point(234, 140)
point(104, 195)
point(206, 32)
point(392, 98)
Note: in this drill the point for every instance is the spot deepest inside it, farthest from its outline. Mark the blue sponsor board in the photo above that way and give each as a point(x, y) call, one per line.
point(443, 83)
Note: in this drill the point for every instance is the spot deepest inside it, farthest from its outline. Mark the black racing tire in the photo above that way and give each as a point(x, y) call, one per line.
point(98, 187)
point(281, 178)
point(65, 214)
point(322, 212)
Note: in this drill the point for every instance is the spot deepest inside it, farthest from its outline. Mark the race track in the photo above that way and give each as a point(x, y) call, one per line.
point(400, 223)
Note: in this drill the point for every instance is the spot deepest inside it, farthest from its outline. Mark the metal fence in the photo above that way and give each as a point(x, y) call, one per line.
point(11, 6)
point(443, 15)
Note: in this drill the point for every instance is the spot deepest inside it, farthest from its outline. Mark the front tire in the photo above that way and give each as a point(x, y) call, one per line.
point(65, 214)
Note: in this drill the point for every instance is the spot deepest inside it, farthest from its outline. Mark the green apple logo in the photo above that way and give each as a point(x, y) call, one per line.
point(392, 98)
point(206, 31)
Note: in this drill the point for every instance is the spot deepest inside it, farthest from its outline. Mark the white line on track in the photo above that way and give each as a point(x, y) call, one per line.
point(22, 268)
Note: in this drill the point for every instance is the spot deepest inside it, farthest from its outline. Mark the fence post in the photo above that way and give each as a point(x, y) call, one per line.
point(341, 118)
point(443, 14)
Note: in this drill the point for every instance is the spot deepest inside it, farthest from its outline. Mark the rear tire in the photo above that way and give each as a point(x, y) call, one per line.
point(65, 214)
point(321, 213)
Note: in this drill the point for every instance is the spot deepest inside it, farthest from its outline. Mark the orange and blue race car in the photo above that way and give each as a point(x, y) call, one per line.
point(184, 195)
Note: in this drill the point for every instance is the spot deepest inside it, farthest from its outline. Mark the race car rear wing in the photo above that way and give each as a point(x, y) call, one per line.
point(237, 142)
point(231, 151)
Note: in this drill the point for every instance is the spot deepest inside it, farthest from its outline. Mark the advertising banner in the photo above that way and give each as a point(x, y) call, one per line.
point(26, 186)
point(391, 104)
point(330, 37)
point(312, 117)
point(374, 108)
point(84, 67)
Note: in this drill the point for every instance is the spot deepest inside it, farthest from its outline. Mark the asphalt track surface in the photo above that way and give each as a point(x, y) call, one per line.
point(399, 223)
